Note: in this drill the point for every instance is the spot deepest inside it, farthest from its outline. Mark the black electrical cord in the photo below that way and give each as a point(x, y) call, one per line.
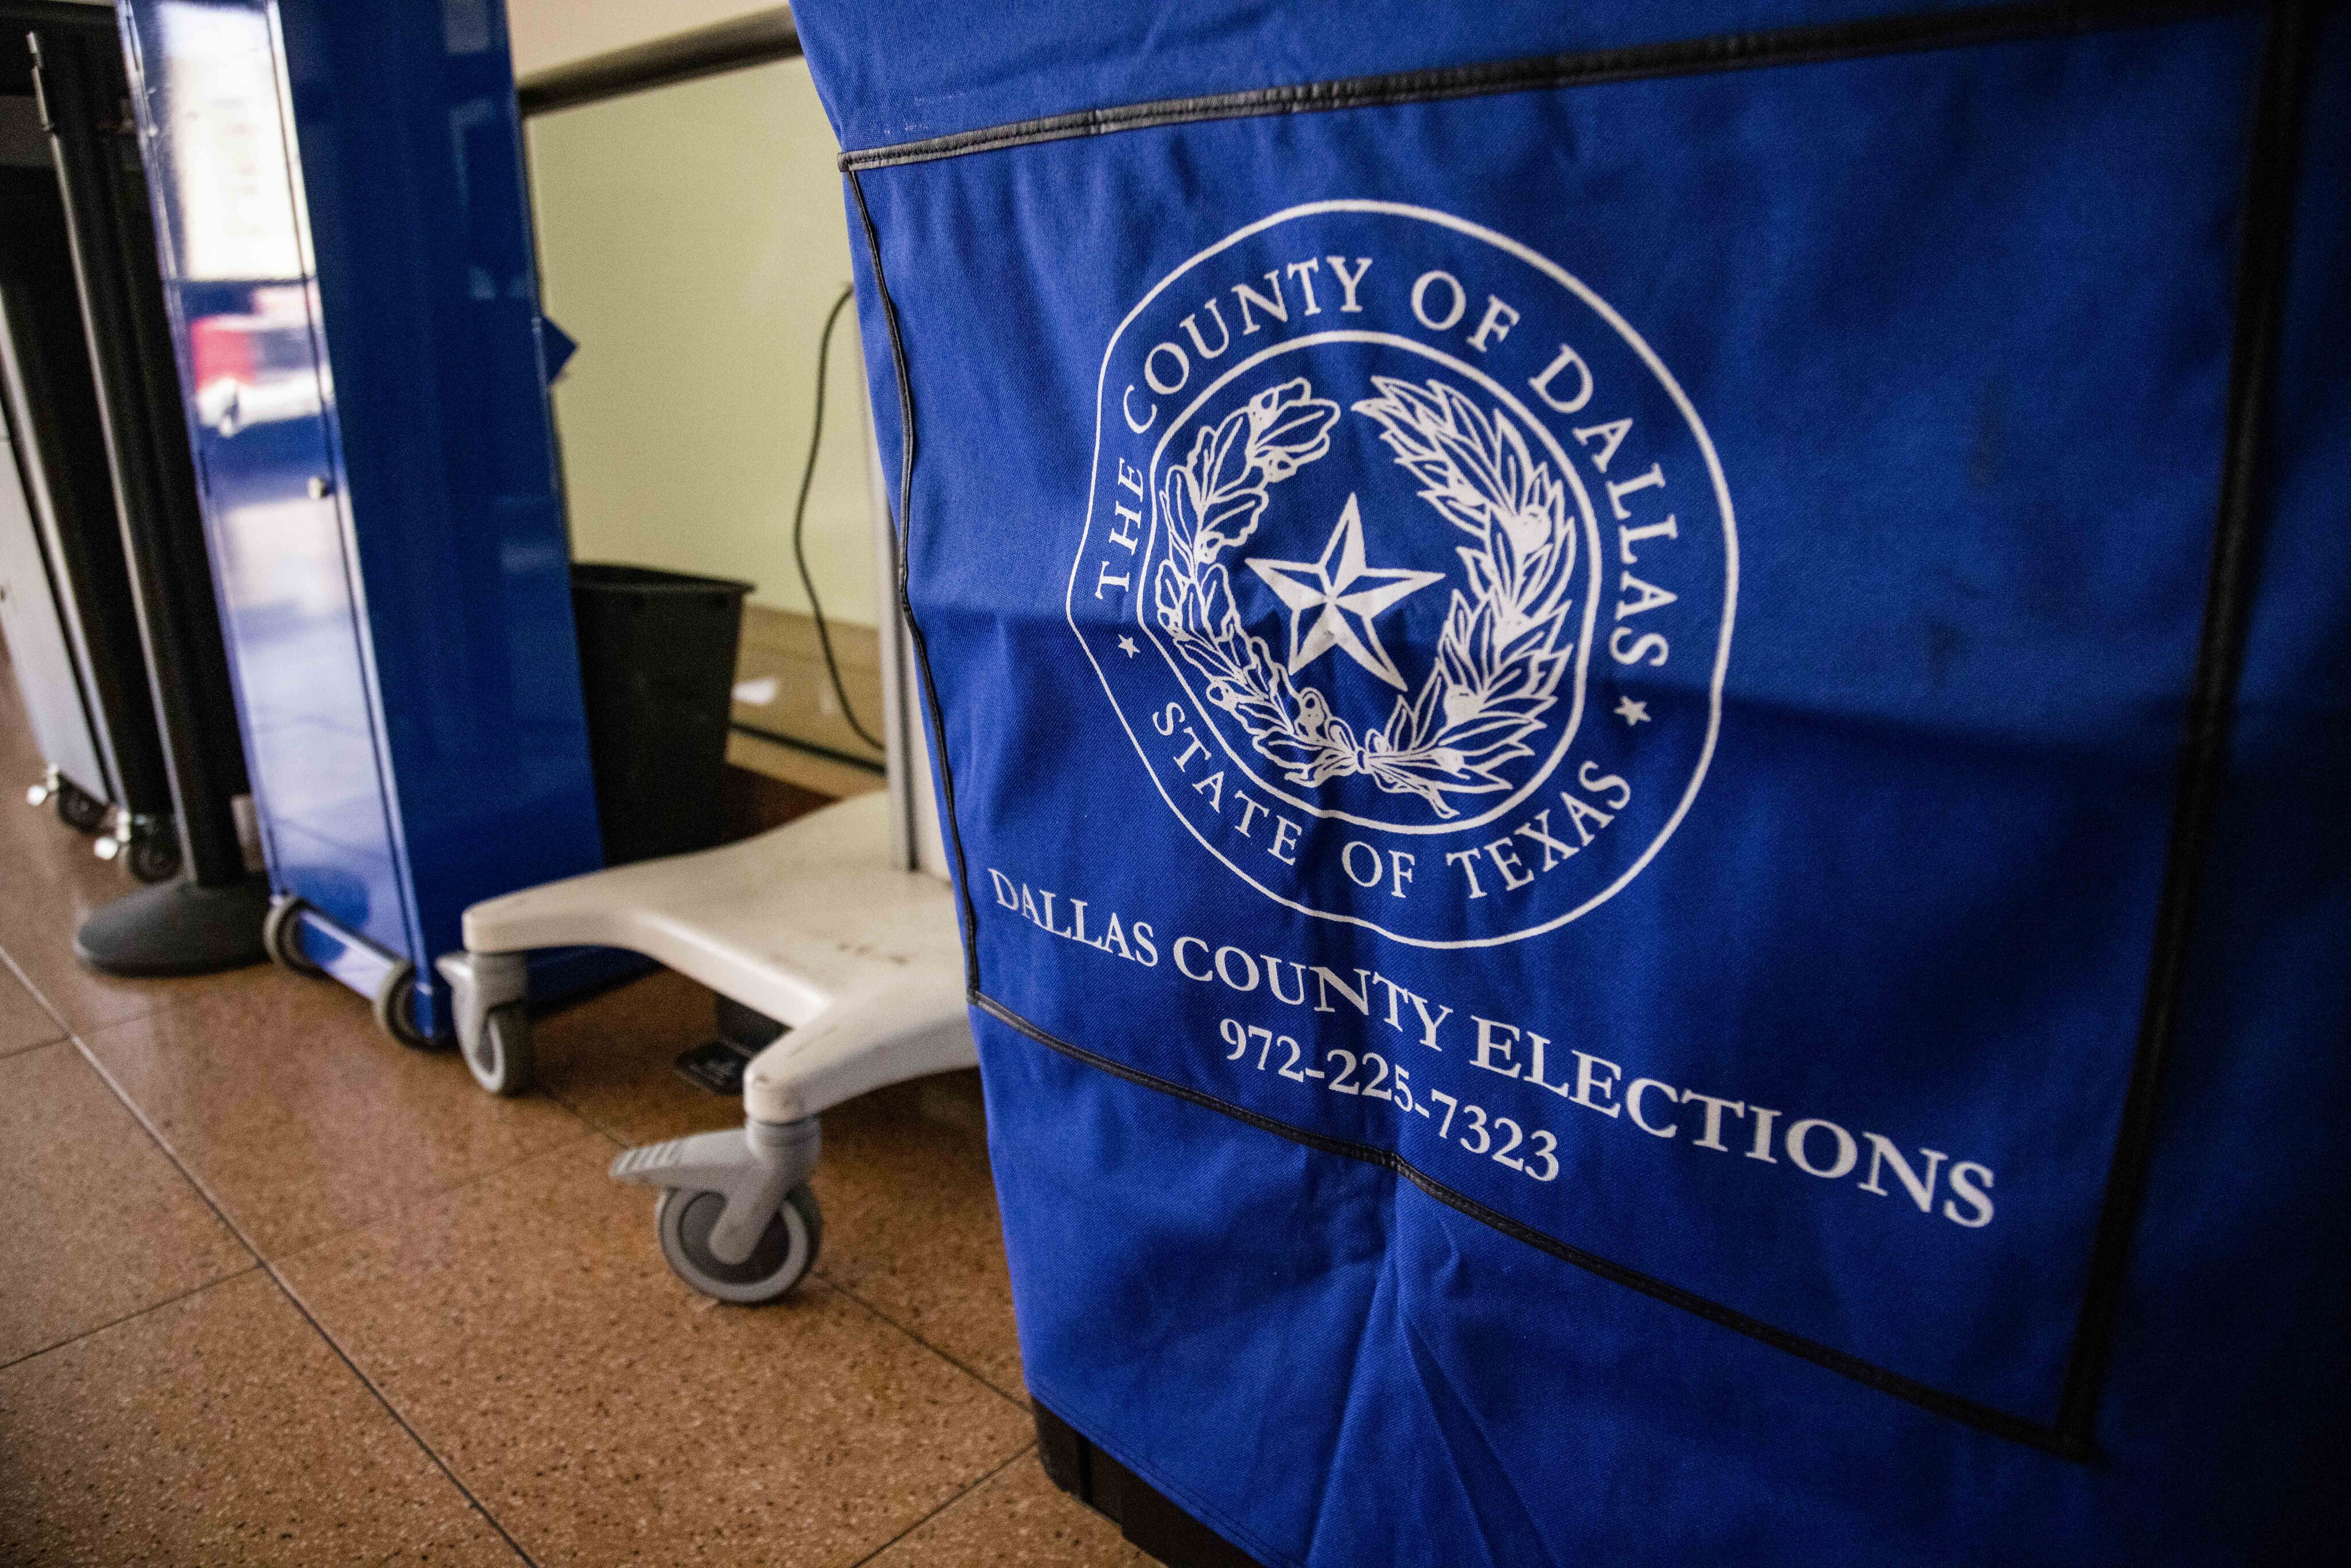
point(800, 521)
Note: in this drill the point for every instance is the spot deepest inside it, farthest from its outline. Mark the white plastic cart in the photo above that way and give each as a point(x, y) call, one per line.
point(839, 925)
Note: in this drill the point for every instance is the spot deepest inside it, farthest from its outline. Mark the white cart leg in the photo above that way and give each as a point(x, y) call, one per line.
point(489, 993)
point(737, 1218)
point(917, 1026)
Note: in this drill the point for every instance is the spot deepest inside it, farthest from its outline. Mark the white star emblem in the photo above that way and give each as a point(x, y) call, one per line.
point(1126, 646)
point(1632, 713)
point(1342, 613)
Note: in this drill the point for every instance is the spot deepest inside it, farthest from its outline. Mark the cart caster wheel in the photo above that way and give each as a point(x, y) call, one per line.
point(153, 859)
point(501, 1061)
point(786, 1251)
point(79, 809)
point(396, 1009)
point(281, 937)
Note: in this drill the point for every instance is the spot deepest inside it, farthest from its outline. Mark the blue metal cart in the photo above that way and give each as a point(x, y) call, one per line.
point(346, 247)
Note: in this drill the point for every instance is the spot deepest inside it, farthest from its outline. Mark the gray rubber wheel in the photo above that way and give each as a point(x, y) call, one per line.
point(501, 1061)
point(786, 1250)
point(281, 937)
point(395, 1008)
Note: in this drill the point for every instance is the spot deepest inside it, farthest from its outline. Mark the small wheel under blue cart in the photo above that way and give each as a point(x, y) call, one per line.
point(388, 981)
point(377, 476)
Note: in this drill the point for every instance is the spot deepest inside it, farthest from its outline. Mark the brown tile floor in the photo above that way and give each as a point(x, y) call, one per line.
point(23, 1021)
point(274, 1289)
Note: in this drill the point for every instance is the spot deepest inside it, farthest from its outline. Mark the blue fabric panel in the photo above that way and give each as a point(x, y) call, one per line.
point(1754, 1049)
point(894, 74)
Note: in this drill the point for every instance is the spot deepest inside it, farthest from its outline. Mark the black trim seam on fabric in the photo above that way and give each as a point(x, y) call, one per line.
point(902, 546)
point(1637, 62)
point(2258, 307)
point(1999, 1423)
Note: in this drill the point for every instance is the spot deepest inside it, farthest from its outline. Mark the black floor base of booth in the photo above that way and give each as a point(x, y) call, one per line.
point(1149, 1522)
point(176, 929)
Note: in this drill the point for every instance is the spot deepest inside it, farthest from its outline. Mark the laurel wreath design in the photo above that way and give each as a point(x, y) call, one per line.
point(1500, 658)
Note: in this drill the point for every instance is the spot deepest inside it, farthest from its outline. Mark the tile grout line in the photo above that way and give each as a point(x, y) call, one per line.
point(977, 1483)
point(406, 1209)
point(50, 1008)
point(75, 1339)
point(613, 1135)
point(269, 1268)
point(163, 1144)
point(284, 1291)
point(8, 962)
point(220, 1210)
point(15, 1053)
point(392, 1410)
point(974, 1374)
point(9, 966)
point(31, 1046)
point(619, 1137)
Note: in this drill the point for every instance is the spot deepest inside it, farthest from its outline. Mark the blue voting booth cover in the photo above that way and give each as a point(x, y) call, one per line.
point(1645, 715)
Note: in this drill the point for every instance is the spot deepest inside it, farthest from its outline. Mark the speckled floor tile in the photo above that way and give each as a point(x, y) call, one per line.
point(1014, 1519)
point(303, 1119)
point(52, 881)
point(910, 1226)
point(527, 1329)
point(217, 1430)
point(610, 1059)
point(475, 1543)
point(97, 1224)
point(23, 1021)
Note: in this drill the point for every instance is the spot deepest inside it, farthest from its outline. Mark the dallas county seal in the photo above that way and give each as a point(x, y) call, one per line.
point(1409, 571)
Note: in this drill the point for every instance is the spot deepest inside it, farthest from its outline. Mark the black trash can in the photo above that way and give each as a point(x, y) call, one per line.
point(657, 661)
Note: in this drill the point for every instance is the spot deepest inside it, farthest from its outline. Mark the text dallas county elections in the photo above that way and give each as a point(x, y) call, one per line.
point(1959, 1191)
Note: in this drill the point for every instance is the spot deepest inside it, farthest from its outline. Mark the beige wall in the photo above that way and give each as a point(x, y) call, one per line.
point(547, 33)
point(692, 239)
